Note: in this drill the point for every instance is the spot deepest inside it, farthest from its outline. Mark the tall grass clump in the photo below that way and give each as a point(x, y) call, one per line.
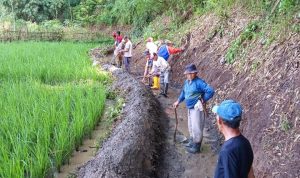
point(50, 99)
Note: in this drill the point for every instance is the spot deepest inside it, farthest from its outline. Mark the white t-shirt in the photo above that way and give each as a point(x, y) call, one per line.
point(161, 64)
point(151, 47)
point(128, 46)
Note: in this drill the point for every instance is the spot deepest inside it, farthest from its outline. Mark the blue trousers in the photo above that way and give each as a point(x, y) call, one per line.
point(127, 63)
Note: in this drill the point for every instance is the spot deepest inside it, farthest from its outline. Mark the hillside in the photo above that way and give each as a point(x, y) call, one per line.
point(264, 77)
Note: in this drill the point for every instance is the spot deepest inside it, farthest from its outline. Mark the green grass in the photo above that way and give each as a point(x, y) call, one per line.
point(51, 98)
point(237, 45)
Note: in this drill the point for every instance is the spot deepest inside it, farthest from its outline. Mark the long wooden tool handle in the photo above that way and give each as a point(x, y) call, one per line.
point(174, 139)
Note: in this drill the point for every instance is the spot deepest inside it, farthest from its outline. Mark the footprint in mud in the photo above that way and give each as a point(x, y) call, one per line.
point(191, 165)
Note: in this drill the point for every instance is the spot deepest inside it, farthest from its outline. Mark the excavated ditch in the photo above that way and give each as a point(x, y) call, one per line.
point(137, 146)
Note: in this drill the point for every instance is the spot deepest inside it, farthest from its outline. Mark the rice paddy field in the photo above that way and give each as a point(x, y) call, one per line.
point(51, 98)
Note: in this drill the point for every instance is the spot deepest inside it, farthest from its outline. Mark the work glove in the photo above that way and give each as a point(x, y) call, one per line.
point(198, 106)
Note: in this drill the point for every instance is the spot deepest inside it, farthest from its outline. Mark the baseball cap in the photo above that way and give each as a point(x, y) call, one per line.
point(229, 110)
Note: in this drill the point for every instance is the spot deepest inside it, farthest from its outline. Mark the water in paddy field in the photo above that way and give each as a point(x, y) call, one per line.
point(88, 149)
point(85, 153)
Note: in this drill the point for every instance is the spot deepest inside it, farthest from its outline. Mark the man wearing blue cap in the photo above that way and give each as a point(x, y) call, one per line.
point(236, 155)
point(196, 92)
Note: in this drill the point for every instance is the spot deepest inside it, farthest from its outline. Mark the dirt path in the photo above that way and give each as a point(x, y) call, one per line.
point(176, 162)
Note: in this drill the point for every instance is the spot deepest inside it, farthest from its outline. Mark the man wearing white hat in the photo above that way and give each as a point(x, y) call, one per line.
point(163, 67)
point(151, 46)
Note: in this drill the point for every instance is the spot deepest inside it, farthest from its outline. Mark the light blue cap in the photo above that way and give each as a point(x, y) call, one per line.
point(229, 110)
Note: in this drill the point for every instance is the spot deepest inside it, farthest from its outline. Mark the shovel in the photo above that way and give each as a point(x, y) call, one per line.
point(174, 139)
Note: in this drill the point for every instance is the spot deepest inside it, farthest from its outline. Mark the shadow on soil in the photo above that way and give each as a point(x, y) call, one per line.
point(142, 144)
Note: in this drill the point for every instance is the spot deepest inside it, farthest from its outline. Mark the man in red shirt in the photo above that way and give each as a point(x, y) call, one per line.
point(118, 39)
point(167, 49)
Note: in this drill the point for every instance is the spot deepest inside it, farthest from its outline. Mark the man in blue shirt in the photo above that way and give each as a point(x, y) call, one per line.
point(196, 92)
point(236, 155)
point(167, 49)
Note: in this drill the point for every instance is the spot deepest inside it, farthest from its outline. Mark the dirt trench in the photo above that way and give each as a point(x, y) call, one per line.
point(264, 79)
point(142, 144)
point(193, 165)
point(133, 147)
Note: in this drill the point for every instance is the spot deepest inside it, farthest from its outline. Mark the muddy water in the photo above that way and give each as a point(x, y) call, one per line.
point(198, 165)
point(88, 149)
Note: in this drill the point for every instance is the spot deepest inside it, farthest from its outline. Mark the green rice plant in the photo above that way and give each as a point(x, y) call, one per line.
point(51, 98)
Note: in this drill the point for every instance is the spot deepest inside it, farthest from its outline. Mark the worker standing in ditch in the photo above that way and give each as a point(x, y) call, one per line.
point(167, 49)
point(148, 67)
point(236, 155)
point(151, 46)
point(196, 92)
point(127, 53)
point(162, 66)
point(119, 54)
point(117, 40)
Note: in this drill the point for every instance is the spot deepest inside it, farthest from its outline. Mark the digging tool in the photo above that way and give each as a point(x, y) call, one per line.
point(174, 139)
point(205, 111)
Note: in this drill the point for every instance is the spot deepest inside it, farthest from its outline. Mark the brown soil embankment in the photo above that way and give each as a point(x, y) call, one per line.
point(133, 148)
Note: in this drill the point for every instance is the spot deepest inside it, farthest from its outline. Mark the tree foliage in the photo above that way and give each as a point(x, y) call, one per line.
point(39, 10)
point(137, 13)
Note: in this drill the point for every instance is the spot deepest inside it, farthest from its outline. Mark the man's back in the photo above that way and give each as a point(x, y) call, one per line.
point(235, 159)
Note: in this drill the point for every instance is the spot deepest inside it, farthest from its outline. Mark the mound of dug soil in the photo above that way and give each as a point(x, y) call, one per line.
point(132, 149)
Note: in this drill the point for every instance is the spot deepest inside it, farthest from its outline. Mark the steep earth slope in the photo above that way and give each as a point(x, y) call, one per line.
point(264, 78)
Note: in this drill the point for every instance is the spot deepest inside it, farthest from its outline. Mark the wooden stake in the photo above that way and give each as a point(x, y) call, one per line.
point(174, 139)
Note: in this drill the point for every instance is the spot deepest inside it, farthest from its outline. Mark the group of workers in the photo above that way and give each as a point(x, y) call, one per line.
point(236, 155)
point(157, 64)
point(122, 51)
